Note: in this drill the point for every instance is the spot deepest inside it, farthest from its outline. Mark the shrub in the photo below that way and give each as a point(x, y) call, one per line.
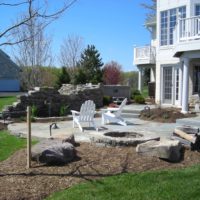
point(63, 78)
point(32, 119)
point(22, 119)
point(79, 77)
point(139, 99)
point(64, 110)
point(107, 100)
point(165, 115)
point(34, 111)
point(135, 93)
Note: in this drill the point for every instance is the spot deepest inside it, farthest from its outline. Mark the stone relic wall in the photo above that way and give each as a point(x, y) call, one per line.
point(49, 101)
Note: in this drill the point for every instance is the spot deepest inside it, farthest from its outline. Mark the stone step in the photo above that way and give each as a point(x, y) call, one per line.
point(131, 111)
point(189, 121)
point(130, 115)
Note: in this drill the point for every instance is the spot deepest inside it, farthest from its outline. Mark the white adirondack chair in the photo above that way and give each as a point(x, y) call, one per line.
point(86, 114)
point(114, 114)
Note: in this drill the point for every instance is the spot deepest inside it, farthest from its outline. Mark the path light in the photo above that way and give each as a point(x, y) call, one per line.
point(147, 111)
point(53, 126)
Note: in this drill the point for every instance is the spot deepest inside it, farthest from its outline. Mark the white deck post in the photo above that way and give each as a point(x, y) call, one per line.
point(185, 86)
point(140, 79)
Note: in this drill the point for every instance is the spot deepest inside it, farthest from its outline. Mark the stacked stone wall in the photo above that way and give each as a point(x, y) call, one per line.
point(49, 101)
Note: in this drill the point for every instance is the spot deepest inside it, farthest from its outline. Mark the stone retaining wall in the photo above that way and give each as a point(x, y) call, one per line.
point(117, 91)
point(49, 101)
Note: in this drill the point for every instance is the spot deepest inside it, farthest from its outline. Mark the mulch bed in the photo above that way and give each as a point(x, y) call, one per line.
point(164, 115)
point(17, 182)
point(3, 126)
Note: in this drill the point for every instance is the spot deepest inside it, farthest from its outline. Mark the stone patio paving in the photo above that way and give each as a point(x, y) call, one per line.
point(41, 130)
point(148, 128)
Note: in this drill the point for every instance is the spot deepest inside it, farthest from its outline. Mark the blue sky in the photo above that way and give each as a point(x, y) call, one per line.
point(113, 26)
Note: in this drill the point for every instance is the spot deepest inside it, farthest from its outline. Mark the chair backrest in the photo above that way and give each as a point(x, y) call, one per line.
point(118, 113)
point(87, 111)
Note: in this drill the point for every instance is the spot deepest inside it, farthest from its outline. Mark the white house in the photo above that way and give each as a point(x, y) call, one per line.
point(174, 53)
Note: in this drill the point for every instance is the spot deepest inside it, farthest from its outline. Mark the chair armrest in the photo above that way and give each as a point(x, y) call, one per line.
point(109, 110)
point(74, 112)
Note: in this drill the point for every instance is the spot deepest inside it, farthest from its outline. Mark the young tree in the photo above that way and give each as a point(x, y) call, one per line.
point(63, 78)
point(34, 9)
point(70, 51)
point(91, 64)
point(112, 73)
point(79, 77)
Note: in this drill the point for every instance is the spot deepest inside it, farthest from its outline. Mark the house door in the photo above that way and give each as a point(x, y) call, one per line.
point(167, 85)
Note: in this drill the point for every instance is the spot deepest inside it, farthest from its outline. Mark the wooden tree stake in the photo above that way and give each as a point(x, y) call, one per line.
point(29, 137)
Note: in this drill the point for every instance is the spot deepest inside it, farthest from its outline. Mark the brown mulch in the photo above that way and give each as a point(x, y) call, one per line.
point(17, 182)
point(164, 115)
point(3, 126)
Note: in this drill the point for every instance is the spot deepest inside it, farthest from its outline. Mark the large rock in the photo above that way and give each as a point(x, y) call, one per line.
point(53, 152)
point(188, 129)
point(66, 138)
point(166, 149)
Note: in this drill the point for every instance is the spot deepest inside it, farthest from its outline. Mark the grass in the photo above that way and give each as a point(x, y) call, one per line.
point(7, 101)
point(159, 185)
point(9, 144)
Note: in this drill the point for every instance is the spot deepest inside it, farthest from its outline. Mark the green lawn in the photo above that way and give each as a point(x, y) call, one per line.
point(7, 101)
point(9, 144)
point(159, 185)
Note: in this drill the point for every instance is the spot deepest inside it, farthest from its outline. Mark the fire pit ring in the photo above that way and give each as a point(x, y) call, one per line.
point(123, 138)
point(123, 134)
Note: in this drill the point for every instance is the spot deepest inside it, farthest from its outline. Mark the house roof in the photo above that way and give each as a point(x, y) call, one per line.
point(8, 69)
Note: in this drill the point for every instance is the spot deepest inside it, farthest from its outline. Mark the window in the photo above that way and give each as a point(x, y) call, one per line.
point(197, 10)
point(172, 24)
point(167, 24)
point(196, 84)
point(164, 26)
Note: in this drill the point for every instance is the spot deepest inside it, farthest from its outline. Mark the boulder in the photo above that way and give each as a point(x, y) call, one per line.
point(65, 138)
point(69, 139)
point(166, 149)
point(188, 129)
point(53, 152)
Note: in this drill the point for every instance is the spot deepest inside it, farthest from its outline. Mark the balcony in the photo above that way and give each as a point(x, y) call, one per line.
point(144, 55)
point(187, 35)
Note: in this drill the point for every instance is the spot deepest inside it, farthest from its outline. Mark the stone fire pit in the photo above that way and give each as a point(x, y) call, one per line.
point(123, 134)
point(117, 138)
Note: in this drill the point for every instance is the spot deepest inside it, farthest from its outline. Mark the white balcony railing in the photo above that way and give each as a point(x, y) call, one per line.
point(144, 55)
point(188, 29)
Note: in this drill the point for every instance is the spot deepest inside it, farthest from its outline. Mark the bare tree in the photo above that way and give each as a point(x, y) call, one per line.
point(151, 14)
point(37, 50)
point(38, 76)
point(70, 51)
point(34, 53)
point(34, 9)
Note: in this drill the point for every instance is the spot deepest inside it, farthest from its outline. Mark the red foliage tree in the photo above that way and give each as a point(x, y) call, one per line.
point(112, 73)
